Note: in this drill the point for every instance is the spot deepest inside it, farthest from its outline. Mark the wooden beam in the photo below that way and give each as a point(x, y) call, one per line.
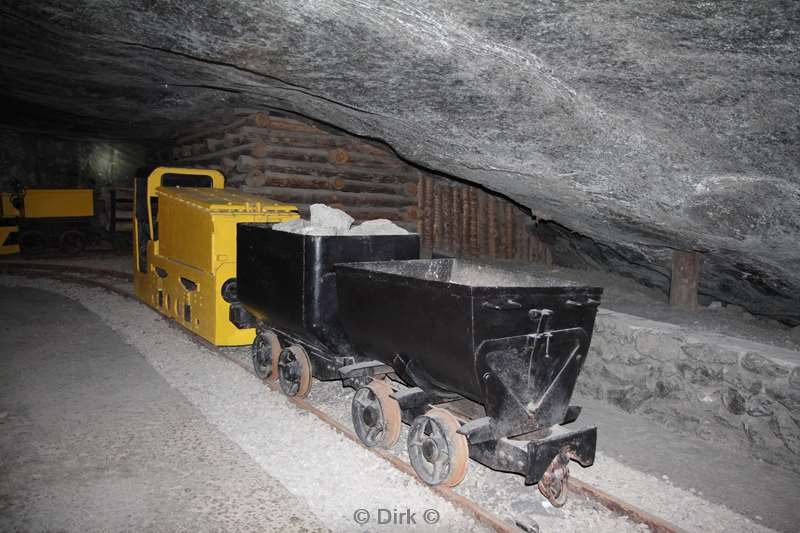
point(685, 277)
point(493, 234)
point(427, 212)
point(474, 227)
point(483, 223)
point(456, 221)
point(438, 223)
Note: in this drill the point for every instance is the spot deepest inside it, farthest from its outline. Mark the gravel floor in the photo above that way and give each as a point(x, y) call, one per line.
point(93, 439)
point(314, 462)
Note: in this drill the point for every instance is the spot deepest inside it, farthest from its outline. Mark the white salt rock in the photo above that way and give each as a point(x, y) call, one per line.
point(329, 217)
point(296, 225)
point(380, 226)
point(320, 230)
point(715, 305)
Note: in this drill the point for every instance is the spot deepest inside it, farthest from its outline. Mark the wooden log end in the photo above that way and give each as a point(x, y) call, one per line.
point(262, 120)
point(255, 179)
point(227, 163)
point(260, 150)
point(338, 156)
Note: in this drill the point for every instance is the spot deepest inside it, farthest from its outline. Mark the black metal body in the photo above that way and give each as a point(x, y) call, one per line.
point(287, 281)
point(501, 337)
point(50, 230)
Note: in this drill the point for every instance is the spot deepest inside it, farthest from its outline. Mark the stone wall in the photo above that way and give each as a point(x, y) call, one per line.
point(738, 393)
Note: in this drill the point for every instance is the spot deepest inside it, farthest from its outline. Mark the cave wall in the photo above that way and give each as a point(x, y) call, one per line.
point(39, 160)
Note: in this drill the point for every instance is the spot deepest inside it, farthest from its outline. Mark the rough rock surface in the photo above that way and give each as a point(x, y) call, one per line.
point(645, 125)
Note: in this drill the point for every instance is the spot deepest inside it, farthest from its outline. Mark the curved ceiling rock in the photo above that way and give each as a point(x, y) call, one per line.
point(645, 125)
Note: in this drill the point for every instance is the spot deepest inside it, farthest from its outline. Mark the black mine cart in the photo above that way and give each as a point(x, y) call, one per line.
point(287, 282)
point(488, 356)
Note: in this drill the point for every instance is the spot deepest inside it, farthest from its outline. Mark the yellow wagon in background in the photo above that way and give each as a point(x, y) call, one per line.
point(36, 219)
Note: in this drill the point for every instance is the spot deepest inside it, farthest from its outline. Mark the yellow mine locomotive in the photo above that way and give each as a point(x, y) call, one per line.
point(37, 219)
point(184, 227)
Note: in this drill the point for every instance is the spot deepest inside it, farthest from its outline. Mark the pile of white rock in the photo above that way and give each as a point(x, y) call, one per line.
point(327, 220)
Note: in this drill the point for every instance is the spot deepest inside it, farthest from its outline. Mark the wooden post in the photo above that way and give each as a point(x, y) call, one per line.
point(508, 231)
point(466, 221)
point(483, 223)
point(447, 218)
point(474, 228)
point(421, 211)
point(492, 215)
point(456, 218)
point(685, 277)
point(428, 213)
point(519, 232)
point(438, 229)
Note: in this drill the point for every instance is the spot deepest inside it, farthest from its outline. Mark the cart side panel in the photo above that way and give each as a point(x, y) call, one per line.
point(322, 253)
point(426, 322)
point(270, 274)
point(533, 378)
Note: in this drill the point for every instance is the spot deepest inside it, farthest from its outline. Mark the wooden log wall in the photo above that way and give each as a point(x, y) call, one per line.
point(293, 160)
point(465, 221)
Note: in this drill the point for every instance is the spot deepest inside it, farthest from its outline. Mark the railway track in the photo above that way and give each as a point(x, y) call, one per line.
point(109, 280)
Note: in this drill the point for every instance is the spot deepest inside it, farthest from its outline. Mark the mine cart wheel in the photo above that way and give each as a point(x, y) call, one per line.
point(376, 415)
point(265, 351)
point(294, 371)
point(555, 481)
point(72, 242)
point(438, 452)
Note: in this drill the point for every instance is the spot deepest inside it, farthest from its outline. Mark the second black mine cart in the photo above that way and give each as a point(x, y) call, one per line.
point(488, 356)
